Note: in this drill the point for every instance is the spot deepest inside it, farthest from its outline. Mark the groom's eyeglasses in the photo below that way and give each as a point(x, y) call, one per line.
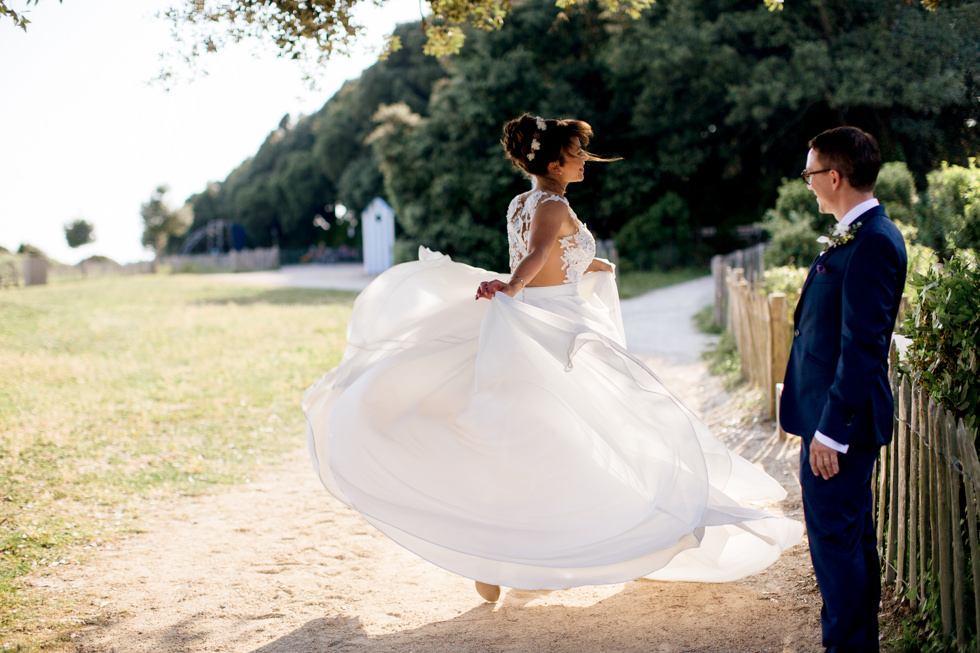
point(808, 175)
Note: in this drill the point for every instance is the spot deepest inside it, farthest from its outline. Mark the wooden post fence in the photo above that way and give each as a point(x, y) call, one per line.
point(763, 333)
point(928, 499)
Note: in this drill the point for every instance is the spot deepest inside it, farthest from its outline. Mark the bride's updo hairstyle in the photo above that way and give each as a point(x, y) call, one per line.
point(532, 143)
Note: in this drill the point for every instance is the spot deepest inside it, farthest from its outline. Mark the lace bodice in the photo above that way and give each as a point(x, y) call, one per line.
point(577, 250)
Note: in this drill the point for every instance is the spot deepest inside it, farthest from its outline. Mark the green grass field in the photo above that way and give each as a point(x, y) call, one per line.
point(633, 284)
point(119, 391)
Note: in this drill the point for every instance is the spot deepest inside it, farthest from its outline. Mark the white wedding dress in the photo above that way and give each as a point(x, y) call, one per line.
point(516, 441)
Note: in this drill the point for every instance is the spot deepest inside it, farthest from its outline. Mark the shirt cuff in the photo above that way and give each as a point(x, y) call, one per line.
point(830, 442)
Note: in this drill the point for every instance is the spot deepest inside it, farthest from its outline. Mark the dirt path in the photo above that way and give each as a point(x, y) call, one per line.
point(277, 565)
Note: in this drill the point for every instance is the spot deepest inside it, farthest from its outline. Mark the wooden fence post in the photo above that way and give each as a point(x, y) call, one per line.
point(780, 342)
point(915, 480)
point(935, 500)
point(971, 468)
point(883, 490)
point(893, 525)
point(926, 552)
point(721, 290)
point(902, 446)
point(957, 562)
point(945, 528)
point(735, 277)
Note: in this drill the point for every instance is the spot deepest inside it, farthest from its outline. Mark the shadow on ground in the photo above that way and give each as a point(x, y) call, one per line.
point(645, 616)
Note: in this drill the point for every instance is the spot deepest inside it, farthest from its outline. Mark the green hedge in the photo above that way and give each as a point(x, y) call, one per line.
point(944, 325)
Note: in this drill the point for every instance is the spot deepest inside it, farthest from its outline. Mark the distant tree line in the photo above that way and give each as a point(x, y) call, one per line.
point(710, 104)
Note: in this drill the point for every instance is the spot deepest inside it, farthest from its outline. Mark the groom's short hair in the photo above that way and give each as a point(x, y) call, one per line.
point(852, 152)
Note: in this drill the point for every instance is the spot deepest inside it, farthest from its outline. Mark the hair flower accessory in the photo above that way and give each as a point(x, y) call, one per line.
point(536, 140)
point(839, 235)
point(535, 145)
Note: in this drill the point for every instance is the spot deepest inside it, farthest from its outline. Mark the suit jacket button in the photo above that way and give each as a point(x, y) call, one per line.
point(796, 333)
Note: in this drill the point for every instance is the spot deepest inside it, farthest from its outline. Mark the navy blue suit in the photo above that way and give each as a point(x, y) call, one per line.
point(837, 382)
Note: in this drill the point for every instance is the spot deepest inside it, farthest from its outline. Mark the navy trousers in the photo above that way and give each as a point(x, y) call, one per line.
point(844, 551)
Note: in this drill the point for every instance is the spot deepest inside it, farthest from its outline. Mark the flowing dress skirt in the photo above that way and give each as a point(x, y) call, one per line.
point(516, 441)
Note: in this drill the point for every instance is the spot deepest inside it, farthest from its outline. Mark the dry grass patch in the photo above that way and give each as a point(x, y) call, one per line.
point(121, 391)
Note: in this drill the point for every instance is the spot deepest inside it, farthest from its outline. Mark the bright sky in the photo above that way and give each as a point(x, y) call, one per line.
point(86, 135)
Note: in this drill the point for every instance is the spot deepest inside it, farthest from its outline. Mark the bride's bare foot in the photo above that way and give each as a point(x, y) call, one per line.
point(489, 592)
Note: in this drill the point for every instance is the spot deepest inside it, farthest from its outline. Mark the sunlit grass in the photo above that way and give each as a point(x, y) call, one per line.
point(633, 284)
point(118, 391)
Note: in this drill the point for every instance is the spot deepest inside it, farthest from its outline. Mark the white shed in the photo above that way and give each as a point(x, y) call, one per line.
point(378, 234)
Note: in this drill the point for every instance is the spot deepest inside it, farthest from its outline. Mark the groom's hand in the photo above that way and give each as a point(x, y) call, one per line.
point(823, 460)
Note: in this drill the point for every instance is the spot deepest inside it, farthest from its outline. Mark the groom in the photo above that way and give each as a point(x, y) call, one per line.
point(836, 395)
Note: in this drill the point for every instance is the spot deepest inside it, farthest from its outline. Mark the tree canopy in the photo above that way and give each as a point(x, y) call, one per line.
point(711, 102)
point(79, 232)
point(317, 29)
point(162, 224)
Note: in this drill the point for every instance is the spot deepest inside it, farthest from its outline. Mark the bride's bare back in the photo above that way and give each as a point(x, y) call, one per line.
point(543, 222)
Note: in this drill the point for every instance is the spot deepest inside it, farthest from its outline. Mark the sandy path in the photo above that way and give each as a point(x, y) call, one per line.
point(277, 565)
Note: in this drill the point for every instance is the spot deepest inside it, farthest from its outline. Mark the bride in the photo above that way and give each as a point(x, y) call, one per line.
point(515, 441)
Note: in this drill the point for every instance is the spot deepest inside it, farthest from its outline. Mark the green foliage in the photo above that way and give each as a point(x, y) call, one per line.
point(922, 631)
point(161, 223)
point(78, 233)
point(788, 280)
point(794, 223)
point(729, 96)
point(314, 31)
point(705, 321)
point(944, 325)
point(954, 203)
point(305, 168)
point(723, 360)
point(445, 172)
point(20, 20)
point(791, 225)
point(921, 258)
point(714, 103)
point(636, 283)
point(31, 251)
point(895, 190)
point(659, 238)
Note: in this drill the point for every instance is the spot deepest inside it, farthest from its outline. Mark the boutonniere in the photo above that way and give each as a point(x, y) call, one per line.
point(839, 235)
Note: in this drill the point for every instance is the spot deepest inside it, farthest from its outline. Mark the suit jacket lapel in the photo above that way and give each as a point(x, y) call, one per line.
point(809, 278)
point(870, 213)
